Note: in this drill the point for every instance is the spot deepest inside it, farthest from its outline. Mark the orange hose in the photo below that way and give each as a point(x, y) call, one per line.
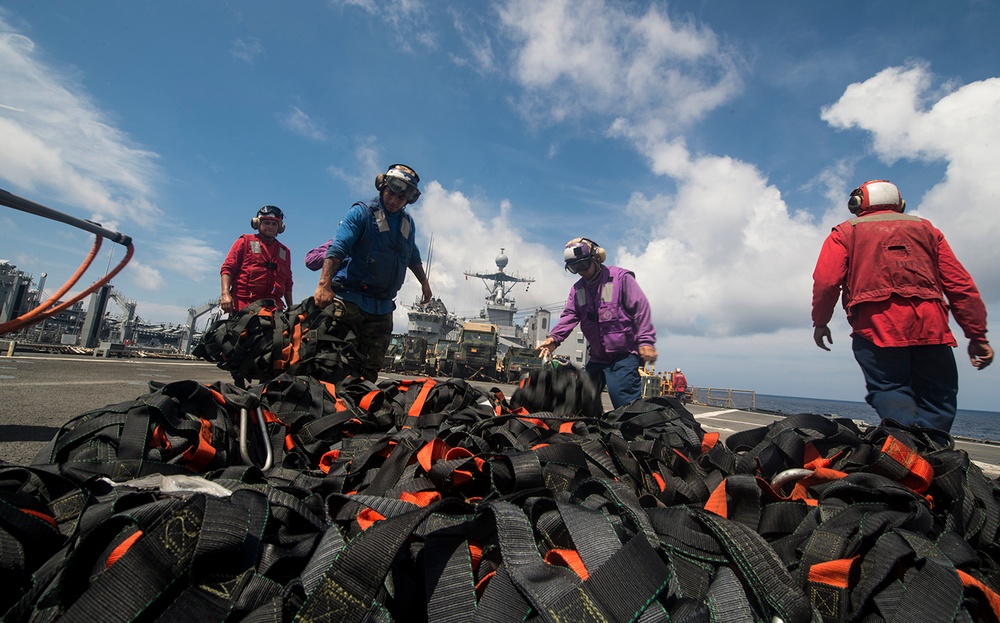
point(66, 286)
point(21, 321)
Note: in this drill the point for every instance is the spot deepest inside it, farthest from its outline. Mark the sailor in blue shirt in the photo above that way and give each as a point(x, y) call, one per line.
point(367, 261)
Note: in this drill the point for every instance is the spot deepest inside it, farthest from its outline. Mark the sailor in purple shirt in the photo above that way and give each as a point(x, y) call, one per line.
point(613, 314)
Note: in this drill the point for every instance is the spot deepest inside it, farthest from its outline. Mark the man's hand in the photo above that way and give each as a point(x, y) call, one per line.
point(324, 295)
point(427, 294)
point(647, 353)
point(547, 348)
point(226, 302)
point(820, 332)
point(980, 354)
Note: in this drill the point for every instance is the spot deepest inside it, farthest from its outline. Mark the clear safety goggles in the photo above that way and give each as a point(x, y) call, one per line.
point(579, 266)
point(398, 187)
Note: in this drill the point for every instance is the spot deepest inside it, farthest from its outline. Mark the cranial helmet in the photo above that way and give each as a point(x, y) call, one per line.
point(269, 211)
point(677, 370)
point(875, 194)
point(401, 180)
point(579, 250)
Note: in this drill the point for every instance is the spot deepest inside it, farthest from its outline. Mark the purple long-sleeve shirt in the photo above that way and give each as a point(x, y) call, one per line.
point(613, 313)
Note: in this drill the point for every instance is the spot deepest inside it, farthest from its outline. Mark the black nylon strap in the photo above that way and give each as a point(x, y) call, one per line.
point(448, 579)
point(645, 576)
point(760, 567)
point(556, 593)
point(349, 587)
point(151, 566)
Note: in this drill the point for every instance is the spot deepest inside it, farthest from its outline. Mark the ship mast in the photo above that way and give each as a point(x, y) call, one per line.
point(499, 308)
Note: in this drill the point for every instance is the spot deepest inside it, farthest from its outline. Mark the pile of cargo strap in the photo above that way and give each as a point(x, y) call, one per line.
point(301, 499)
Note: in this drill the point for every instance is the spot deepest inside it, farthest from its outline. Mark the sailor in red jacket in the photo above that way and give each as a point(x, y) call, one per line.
point(258, 266)
point(898, 277)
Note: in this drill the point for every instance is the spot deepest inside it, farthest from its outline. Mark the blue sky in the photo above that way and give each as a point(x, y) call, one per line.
point(708, 146)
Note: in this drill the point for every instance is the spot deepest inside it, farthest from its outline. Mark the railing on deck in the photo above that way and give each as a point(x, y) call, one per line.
point(745, 399)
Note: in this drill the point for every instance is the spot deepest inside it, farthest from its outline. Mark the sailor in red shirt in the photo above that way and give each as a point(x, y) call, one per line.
point(897, 277)
point(258, 266)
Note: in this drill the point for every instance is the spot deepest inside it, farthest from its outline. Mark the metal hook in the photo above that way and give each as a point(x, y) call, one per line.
point(789, 475)
point(265, 439)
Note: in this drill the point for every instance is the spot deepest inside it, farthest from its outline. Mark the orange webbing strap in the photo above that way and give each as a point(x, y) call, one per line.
point(569, 558)
point(332, 389)
point(919, 471)
point(833, 572)
point(418, 405)
point(819, 476)
point(420, 498)
point(328, 459)
point(366, 402)
point(717, 502)
point(199, 455)
point(290, 353)
point(829, 586)
point(368, 517)
point(708, 442)
point(721, 498)
point(432, 451)
point(123, 547)
point(992, 599)
point(49, 519)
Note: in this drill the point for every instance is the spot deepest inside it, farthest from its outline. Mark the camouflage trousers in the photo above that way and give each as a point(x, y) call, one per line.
point(373, 332)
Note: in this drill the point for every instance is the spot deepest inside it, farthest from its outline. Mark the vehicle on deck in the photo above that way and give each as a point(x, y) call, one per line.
point(392, 351)
point(412, 356)
point(475, 352)
point(517, 362)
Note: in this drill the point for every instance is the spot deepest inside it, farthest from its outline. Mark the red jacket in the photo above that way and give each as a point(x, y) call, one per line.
point(259, 269)
point(679, 382)
point(894, 273)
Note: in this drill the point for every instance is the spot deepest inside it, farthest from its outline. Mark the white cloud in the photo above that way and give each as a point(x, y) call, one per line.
point(143, 276)
point(578, 57)
point(57, 142)
point(722, 256)
point(246, 50)
point(187, 256)
point(407, 18)
point(302, 124)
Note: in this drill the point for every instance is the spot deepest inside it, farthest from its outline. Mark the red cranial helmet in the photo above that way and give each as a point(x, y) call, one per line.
point(875, 194)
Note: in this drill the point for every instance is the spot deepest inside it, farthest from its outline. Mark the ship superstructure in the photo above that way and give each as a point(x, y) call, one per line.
point(432, 321)
point(500, 306)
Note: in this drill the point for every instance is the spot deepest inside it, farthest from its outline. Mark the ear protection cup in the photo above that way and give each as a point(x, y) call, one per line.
point(255, 224)
point(856, 201)
point(597, 251)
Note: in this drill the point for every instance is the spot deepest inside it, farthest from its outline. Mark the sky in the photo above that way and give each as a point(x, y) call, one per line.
point(708, 146)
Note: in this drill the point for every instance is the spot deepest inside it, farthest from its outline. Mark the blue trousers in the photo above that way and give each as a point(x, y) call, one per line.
point(621, 376)
point(914, 385)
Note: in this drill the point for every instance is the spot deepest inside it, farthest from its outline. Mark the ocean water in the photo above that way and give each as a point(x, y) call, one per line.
point(968, 422)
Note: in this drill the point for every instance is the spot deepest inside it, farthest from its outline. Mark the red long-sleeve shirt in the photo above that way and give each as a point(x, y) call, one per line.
point(897, 319)
point(260, 269)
